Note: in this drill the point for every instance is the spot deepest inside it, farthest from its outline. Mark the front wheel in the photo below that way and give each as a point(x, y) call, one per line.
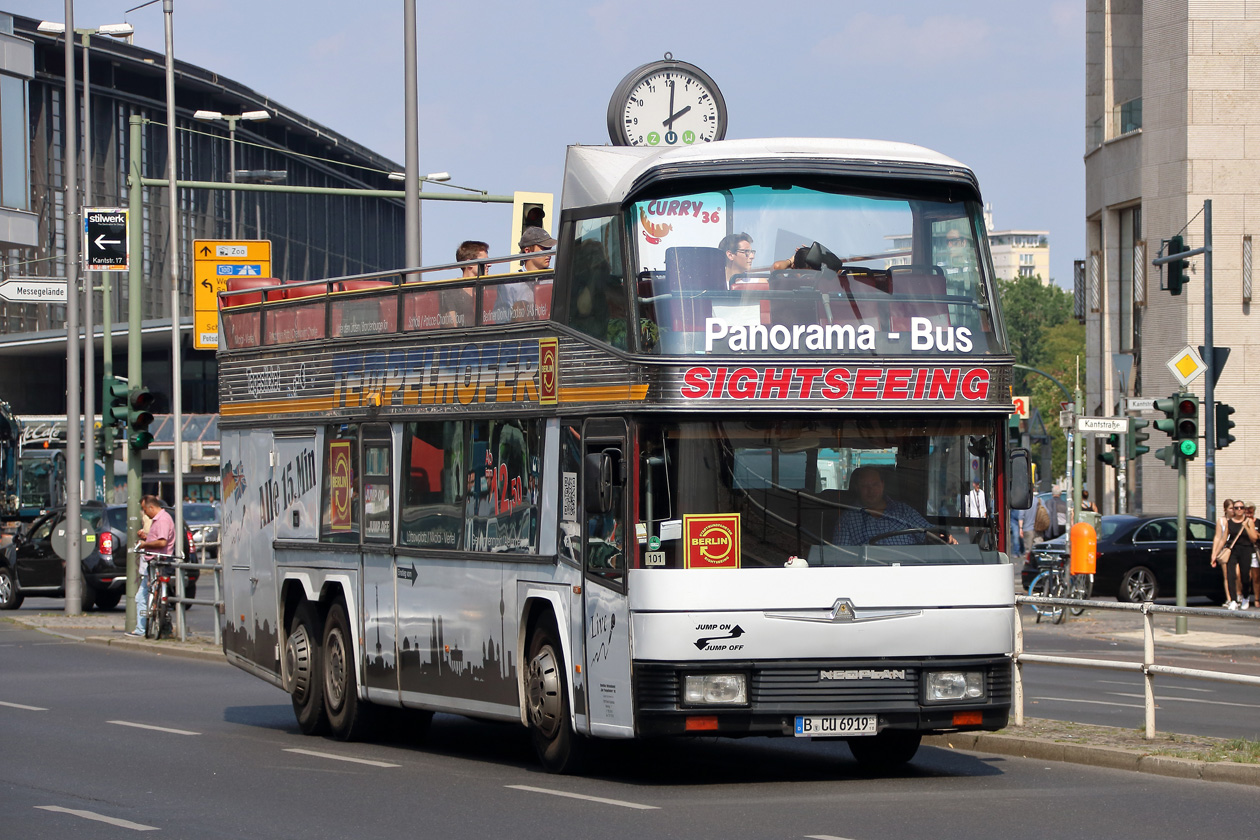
point(886, 751)
point(10, 595)
point(559, 748)
point(349, 718)
point(304, 678)
point(1082, 587)
point(1138, 584)
point(1043, 586)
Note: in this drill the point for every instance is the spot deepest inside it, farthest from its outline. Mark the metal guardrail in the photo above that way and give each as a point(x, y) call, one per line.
point(1147, 667)
point(182, 602)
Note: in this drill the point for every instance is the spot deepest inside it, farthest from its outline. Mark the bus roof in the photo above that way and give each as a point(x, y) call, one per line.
point(596, 175)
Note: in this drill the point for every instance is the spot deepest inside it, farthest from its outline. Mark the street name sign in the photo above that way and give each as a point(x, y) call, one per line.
point(1102, 425)
point(33, 290)
point(214, 261)
point(105, 234)
point(1186, 366)
point(1141, 404)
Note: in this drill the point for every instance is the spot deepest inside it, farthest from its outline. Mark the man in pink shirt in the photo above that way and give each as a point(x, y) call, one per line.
point(159, 538)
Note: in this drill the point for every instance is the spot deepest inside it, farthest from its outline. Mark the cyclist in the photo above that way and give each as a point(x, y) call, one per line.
point(159, 537)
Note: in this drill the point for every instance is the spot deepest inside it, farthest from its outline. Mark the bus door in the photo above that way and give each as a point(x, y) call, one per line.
point(607, 539)
point(380, 576)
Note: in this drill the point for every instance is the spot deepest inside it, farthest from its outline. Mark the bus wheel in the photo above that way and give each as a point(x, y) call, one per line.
point(302, 671)
point(350, 718)
point(559, 748)
point(886, 751)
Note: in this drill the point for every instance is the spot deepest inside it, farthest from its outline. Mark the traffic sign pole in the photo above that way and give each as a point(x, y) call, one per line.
point(1181, 543)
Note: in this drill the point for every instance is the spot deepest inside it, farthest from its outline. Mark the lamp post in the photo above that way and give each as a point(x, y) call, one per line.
point(232, 120)
point(114, 30)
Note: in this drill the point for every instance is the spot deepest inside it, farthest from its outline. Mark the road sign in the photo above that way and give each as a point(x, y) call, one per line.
point(1067, 419)
point(1022, 406)
point(1103, 425)
point(1140, 404)
point(33, 290)
point(1186, 366)
point(214, 261)
point(105, 237)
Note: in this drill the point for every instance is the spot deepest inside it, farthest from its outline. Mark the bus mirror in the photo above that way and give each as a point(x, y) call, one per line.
point(1019, 482)
point(602, 474)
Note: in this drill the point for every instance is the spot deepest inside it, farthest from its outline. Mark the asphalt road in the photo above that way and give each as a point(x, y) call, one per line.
point(100, 742)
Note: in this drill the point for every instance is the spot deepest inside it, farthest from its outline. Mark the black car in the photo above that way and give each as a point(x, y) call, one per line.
point(30, 565)
point(1137, 558)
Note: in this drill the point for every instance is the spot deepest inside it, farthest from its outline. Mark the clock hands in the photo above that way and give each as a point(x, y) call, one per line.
point(669, 123)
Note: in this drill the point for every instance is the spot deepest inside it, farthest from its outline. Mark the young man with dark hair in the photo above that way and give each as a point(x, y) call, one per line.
point(739, 254)
point(457, 304)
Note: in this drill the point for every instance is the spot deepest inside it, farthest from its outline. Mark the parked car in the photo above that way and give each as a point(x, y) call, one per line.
point(1137, 558)
point(30, 565)
point(203, 520)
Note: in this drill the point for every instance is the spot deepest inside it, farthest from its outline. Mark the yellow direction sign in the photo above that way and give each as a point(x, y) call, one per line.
point(1186, 366)
point(214, 262)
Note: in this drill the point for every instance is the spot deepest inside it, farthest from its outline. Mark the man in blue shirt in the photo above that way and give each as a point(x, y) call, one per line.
point(878, 515)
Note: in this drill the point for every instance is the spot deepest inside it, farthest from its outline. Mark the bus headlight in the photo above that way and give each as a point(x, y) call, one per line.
point(951, 686)
point(715, 690)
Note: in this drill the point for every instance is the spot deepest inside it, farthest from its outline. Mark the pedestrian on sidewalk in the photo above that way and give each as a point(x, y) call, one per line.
point(1255, 564)
point(1231, 552)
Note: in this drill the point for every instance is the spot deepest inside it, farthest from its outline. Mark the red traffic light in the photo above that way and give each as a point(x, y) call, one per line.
point(1188, 407)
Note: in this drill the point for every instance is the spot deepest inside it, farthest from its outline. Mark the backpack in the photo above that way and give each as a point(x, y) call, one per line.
point(1041, 520)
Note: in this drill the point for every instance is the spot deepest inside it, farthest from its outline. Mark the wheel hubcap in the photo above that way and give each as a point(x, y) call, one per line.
point(543, 686)
point(335, 667)
point(1141, 587)
point(297, 663)
point(6, 589)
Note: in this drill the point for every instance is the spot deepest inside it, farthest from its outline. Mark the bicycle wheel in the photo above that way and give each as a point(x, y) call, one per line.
point(1044, 586)
point(1081, 589)
point(163, 606)
point(151, 625)
point(1060, 590)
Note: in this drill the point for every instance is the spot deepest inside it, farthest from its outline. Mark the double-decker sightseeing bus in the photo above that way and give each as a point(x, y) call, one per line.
point(736, 465)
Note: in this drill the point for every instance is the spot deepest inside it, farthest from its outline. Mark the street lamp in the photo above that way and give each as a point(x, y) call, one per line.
point(232, 120)
point(122, 31)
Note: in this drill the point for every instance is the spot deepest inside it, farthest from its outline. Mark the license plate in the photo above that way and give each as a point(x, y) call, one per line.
point(841, 726)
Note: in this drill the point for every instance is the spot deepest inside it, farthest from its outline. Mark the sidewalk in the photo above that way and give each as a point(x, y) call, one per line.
point(109, 629)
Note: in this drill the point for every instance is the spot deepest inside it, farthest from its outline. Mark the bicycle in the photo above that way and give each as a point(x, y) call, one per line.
point(1050, 582)
point(1080, 588)
point(161, 575)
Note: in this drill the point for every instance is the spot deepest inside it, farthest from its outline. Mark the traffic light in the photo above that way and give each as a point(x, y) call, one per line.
point(1177, 268)
point(1168, 408)
point(1223, 425)
point(1111, 458)
point(139, 401)
point(115, 391)
point(1187, 436)
point(1137, 437)
point(1169, 455)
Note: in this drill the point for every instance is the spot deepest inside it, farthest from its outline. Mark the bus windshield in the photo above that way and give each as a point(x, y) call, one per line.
point(840, 492)
point(783, 268)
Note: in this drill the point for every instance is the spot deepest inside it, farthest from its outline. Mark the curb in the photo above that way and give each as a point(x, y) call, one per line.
point(183, 650)
point(1107, 757)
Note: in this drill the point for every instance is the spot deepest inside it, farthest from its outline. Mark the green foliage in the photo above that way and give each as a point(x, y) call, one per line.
point(1044, 336)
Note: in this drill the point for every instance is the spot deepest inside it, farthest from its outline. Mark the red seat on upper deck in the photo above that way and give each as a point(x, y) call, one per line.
point(238, 284)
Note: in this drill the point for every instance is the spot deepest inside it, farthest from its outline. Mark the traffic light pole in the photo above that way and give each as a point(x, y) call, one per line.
point(1209, 383)
point(135, 292)
point(1181, 543)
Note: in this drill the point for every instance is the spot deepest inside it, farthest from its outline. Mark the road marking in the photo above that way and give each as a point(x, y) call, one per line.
point(600, 799)
point(824, 837)
point(90, 815)
point(20, 706)
point(1163, 699)
point(154, 728)
point(1165, 688)
point(1093, 702)
point(343, 758)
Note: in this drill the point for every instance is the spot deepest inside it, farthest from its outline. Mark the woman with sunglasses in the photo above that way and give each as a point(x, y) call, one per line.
point(1232, 550)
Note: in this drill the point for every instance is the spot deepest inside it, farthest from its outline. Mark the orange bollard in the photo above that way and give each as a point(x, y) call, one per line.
point(1084, 541)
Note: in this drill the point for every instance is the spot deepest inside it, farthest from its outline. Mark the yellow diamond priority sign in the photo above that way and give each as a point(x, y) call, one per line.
point(1186, 366)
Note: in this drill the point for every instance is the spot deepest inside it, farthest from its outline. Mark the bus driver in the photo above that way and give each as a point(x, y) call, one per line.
point(878, 514)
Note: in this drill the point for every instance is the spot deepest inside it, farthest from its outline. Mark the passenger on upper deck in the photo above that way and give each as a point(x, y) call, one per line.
point(879, 515)
point(457, 304)
point(739, 255)
point(515, 301)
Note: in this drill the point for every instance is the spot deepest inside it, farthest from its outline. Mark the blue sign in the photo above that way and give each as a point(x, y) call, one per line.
point(239, 270)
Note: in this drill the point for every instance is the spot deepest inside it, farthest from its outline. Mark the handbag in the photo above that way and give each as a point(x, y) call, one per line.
point(1222, 556)
point(1041, 522)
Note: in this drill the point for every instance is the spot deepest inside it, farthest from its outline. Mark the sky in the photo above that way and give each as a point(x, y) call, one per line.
point(504, 87)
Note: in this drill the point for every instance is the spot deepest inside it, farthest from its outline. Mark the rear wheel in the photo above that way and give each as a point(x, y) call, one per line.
point(303, 675)
point(10, 595)
point(107, 599)
point(87, 597)
point(1044, 586)
point(162, 604)
point(1082, 587)
point(1138, 584)
point(886, 751)
point(559, 748)
point(349, 718)
point(152, 628)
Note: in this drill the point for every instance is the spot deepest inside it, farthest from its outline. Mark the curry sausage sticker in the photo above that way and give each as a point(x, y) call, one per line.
point(711, 541)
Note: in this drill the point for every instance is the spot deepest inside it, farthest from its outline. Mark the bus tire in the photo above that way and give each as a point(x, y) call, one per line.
point(349, 718)
point(304, 677)
point(559, 748)
point(886, 751)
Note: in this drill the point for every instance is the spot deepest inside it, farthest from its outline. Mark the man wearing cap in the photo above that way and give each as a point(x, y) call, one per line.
point(515, 301)
point(536, 239)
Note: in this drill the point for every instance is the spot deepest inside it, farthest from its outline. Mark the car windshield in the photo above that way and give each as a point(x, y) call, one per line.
point(200, 514)
point(785, 268)
point(795, 488)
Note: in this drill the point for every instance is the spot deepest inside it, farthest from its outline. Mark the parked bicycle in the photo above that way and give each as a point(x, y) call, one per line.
point(160, 606)
point(1055, 581)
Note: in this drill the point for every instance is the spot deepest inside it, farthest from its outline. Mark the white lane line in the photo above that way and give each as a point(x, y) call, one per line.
point(618, 802)
point(366, 761)
point(1092, 702)
point(20, 706)
point(1162, 687)
point(91, 815)
point(1165, 699)
point(824, 837)
point(150, 726)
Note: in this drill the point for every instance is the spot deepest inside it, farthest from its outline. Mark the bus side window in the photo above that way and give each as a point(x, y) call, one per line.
point(597, 291)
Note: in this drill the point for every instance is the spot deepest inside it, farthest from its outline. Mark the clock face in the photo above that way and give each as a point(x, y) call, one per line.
point(667, 103)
